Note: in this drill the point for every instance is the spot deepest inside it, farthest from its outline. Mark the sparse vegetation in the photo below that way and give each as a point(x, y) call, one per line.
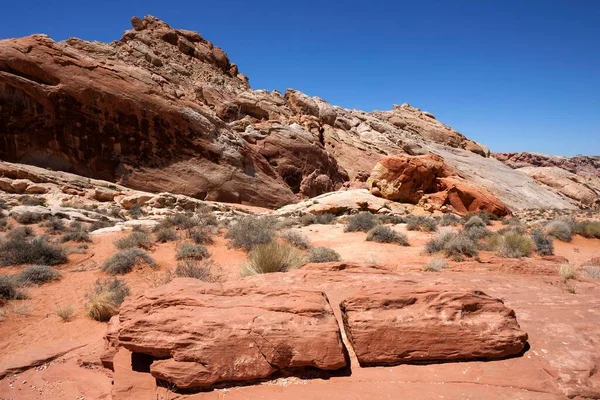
point(322, 255)
point(27, 200)
point(250, 232)
point(135, 211)
point(191, 268)
point(296, 239)
point(54, 225)
point(567, 271)
point(37, 275)
point(201, 236)
point(544, 245)
point(435, 265)
point(483, 215)
point(459, 246)
point(105, 298)
point(391, 219)
point(28, 218)
point(65, 313)
point(425, 224)
point(322, 219)
point(76, 233)
point(22, 249)
point(3, 224)
point(560, 229)
point(20, 232)
point(384, 234)
point(588, 229)
point(272, 257)
point(103, 223)
point(474, 222)
point(364, 222)
point(164, 234)
point(440, 240)
point(124, 261)
point(515, 245)
point(191, 251)
point(137, 239)
point(8, 289)
point(450, 219)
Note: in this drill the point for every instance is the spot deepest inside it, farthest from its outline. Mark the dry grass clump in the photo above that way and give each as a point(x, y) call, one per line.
point(105, 298)
point(384, 234)
point(54, 226)
point(567, 271)
point(296, 239)
point(438, 242)
point(322, 255)
point(137, 239)
point(424, 224)
point(201, 236)
point(65, 313)
point(474, 222)
point(9, 289)
point(322, 219)
point(485, 216)
point(37, 275)
point(435, 265)
point(191, 251)
point(588, 229)
point(460, 246)
point(450, 219)
point(391, 219)
point(560, 229)
point(76, 233)
point(515, 245)
point(250, 232)
point(191, 268)
point(272, 257)
point(29, 217)
point(364, 222)
point(23, 248)
point(124, 261)
point(163, 234)
point(544, 245)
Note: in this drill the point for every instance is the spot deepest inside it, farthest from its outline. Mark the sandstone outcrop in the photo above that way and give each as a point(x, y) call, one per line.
point(391, 325)
point(201, 334)
point(580, 165)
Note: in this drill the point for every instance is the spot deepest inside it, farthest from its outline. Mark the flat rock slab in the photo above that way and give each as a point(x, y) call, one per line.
point(393, 325)
point(201, 334)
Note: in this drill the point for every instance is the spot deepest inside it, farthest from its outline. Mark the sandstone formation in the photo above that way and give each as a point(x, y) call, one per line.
point(390, 325)
point(200, 334)
point(428, 180)
point(165, 110)
point(579, 165)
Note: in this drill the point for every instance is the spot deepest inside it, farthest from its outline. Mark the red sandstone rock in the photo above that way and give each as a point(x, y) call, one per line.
point(391, 325)
point(209, 333)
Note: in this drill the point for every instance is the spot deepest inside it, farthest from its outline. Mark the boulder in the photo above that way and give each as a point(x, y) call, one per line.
point(392, 325)
point(200, 334)
point(300, 103)
point(465, 197)
point(102, 194)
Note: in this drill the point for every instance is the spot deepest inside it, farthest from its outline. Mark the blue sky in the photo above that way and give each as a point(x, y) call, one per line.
point(516, 75)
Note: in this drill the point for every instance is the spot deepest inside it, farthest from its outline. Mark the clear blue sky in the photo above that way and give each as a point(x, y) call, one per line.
point(517, 75)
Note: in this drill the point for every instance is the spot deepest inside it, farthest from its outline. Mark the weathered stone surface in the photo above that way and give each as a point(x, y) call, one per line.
point(104, 194)
point(209, 333)
point(390, 325)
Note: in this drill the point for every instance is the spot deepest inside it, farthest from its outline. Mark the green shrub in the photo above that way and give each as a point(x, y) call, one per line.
point(28, 218)
point(588, 229)
point(164, 234)
point(272, 257)
point(105, 298)
point(37, 275)
point(543, 244)
point(474, 222)
point(515, 245)
point(137, 239)
point(384, 234)
point(124, 261)
point(435, 265)
point(191, 250)
point(17, 250)
point(54, 225)
point(460, 246)
point(27, 200)
point(450, 219)
point(425, 224)
point(560, 229)
point(249, 232)
point(364, 222)
point(191, 268)
point(440, 240)
point(322, 255)
point(296, 239)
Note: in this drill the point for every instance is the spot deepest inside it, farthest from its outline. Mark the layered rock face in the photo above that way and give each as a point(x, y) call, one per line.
point(428, 180)
point(202, 334)
point(391, 325)
point(164, 109)
point(579, 165)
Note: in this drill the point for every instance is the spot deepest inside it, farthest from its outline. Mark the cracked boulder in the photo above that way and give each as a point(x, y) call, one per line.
point(199, 334)
point(394, 325)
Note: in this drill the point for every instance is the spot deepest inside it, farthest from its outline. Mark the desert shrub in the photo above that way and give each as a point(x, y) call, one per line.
point(483, 215)
point(105, 298)
point(64, 312)
point(54, 225)
point(135, 211)
point(384, 234)
point(520, 229)
point(543, 244)
point(201, 236)
point(9, 289)
point(460, 246)
point(76, 233)
point(435, 265)
point(285, 223)
point(191, 268)
point(138, 239)
point(477, 232)
point(164, 234)
point(272, 257)
point(425, 224)
point(567, 271)
point(515, 245)
point(27, 200)
point(37, 275)
point(322, 219)
point(322, 255)
point(391, 219)
point(560, 229)
point(124, 261)
point(249, 232)
point(191, 250)
point(103, 223)
point(364, 222)
point(450, 219)
point(588, 229)
point(18, 250)
point(3, 205)
point(592, 271)
point(3, 223)
point(438, 242)
point(20, 232)
point(474, 222)
point(308, 219)
point(29, 217)
point(296, 239)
